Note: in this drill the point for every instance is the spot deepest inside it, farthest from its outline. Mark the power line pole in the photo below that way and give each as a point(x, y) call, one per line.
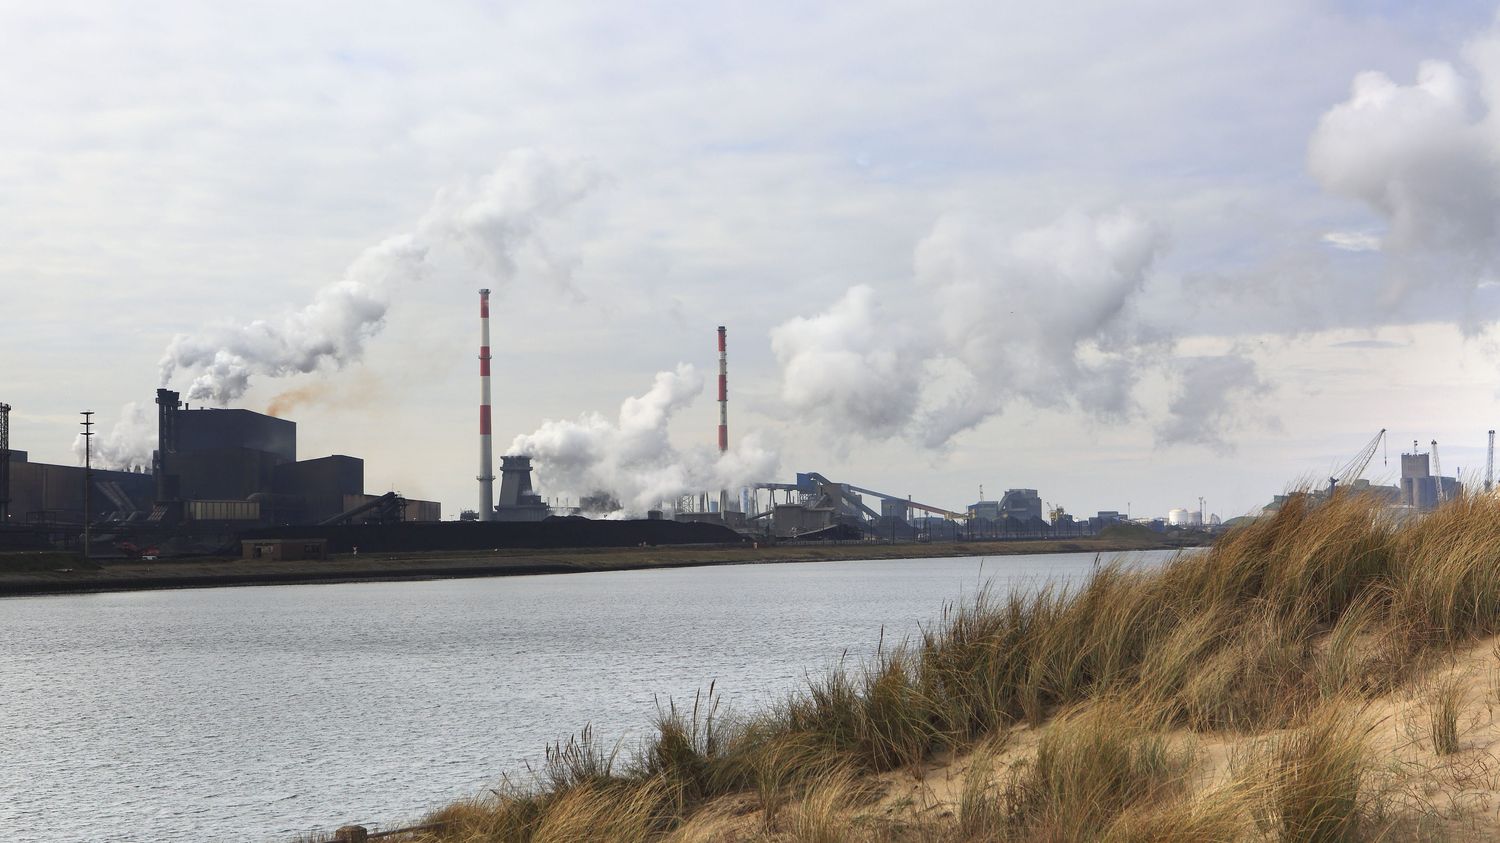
point(88, 474)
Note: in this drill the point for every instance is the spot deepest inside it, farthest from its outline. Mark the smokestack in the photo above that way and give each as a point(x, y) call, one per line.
point(723, 414)
point(5, 463)
point(486, 449)
point(167, 404)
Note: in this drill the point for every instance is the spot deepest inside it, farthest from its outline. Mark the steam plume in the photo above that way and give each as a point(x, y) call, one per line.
point(128, 443)
point(1203, 407)
point(632, 458)
point(494, 223)
point(1050, 317)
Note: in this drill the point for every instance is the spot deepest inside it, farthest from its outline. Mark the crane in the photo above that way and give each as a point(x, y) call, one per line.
point(1489, 465)
point(1355, 467)
point(1437, 474)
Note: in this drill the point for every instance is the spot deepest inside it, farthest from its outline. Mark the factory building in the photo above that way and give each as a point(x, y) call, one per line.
point(1017, 513)
point(241, 456)
point(518, 502)
point(224, 469)
point(1420, 489)
point(1021, 504)
point(41, 494)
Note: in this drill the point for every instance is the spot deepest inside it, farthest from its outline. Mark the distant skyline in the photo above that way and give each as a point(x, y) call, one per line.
point(1127, 256)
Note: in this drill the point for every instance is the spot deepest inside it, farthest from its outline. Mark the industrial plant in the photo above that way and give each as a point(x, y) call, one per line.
point(222, 477)
point(215, 473)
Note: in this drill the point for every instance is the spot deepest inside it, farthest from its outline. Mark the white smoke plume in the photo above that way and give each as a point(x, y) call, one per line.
point(128, 444)
point(1049, 317)
point(331, 330)
point(493, 223)
point(631, 456)
point(851, 365)
point(1203, 408)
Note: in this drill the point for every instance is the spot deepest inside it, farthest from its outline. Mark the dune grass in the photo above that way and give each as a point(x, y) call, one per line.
point(1276, 637)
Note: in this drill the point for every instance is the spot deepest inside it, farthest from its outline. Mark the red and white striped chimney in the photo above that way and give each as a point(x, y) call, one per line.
point(723, 413)
point(486, 448)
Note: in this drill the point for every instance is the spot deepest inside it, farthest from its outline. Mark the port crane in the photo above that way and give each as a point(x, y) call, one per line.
point(1489, 465)
point(1437, 474)
point(1355, 467)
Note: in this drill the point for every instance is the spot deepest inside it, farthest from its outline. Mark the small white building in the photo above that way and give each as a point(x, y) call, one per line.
point(1185, 518)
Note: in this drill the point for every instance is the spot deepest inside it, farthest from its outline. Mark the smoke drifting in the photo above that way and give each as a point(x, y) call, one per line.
point(129, 442)
point(632, 458)
point(494, 224)
point(1203, 408)
point(331, 330)
point(851, 365)
point(1049, 316)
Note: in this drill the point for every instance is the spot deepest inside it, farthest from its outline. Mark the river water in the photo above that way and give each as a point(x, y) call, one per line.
point(261, 713)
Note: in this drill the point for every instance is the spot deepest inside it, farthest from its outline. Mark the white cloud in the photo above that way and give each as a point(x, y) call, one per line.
point(1353, 241)
point(1416, 156)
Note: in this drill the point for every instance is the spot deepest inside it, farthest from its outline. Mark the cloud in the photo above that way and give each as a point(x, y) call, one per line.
point(1352, 241)
point(1370, 344)
point(1418, 155)
point(632, 457)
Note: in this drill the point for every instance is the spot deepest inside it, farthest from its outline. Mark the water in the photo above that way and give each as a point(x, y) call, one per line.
point(261, 713)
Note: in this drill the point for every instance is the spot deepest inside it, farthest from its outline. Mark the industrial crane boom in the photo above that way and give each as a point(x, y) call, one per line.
point(1437, 474)
point(1489, 465)
point(1355, 467)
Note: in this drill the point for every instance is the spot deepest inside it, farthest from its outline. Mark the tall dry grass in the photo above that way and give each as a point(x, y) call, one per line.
point(1323, 604)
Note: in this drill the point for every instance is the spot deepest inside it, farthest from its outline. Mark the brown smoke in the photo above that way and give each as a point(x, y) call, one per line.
point(294, 398)
point(350, 390)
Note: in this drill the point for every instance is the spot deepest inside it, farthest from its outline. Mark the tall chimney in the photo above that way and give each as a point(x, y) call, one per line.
point(5, 463)
point(723, 415)
point(168, 485)
point(486, 450)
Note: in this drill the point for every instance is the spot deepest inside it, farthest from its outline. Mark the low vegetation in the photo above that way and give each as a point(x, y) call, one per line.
point(1323, 674)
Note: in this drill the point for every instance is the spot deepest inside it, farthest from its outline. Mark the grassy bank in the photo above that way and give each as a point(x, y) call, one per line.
point(55, 573)
point(1326, 674)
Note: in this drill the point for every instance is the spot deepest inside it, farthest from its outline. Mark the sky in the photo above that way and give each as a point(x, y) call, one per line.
point(1128, 255)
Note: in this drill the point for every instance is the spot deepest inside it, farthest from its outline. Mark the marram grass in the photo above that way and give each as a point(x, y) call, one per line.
point(1275, 640)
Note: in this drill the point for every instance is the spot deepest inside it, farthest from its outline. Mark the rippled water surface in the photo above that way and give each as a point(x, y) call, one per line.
point(259, 713)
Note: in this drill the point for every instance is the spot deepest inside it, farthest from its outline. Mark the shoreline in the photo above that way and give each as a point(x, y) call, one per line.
point(161, 575)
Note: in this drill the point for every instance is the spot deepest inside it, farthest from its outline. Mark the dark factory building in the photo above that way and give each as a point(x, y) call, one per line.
point(213, 428)
point(212, 454)
point(44, 494)
point(219, 469)
point(324, 484)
